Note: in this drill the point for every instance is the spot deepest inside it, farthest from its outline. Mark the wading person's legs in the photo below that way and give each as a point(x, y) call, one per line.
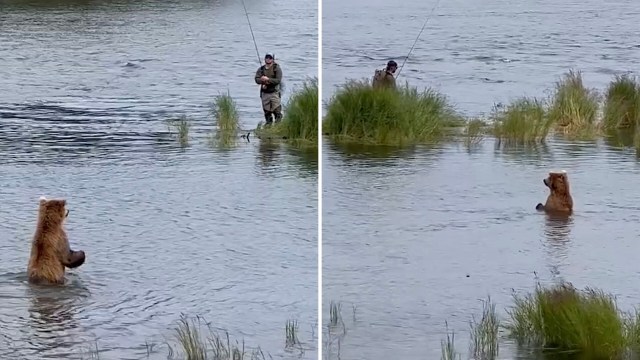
point(277, 108)
point(266, 107)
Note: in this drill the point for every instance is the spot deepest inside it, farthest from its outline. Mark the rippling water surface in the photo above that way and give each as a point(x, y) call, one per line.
point(229, 233)
point(413, 238)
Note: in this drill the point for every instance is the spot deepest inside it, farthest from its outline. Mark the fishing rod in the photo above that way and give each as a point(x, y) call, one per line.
point(415, 42)
point(252, 36)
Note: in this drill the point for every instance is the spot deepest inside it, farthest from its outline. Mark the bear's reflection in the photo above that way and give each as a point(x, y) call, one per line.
point(557, 230)
point(53, 315)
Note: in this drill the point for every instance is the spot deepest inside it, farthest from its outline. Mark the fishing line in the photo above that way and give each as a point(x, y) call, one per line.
point(415, 42)
point(246, 13)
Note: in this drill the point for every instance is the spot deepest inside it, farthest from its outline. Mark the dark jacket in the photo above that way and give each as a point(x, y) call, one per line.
point(275, 76)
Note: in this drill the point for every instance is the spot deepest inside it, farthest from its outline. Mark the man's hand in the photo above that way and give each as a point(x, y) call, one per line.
point(264, 79)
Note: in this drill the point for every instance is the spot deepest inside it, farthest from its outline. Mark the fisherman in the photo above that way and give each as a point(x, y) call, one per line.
point(269, 77)
point(385, 78)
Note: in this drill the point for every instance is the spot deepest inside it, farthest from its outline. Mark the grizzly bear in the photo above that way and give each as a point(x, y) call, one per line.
point(50, 251)
point(559, 200)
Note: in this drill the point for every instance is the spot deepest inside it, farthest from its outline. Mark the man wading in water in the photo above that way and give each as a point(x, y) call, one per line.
point(269, 77)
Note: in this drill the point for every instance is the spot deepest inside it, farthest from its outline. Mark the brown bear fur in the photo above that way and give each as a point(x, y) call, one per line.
point(559, 200)
point(50, 250)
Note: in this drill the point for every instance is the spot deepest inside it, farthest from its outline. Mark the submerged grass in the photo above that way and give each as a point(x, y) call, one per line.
point(622, 104)
point(473, 132)
point(360, 113)
point(182, 125)
point(334, 313)
point(574, 107)
point(566, 319)
point(291, 333)
point(523, 121)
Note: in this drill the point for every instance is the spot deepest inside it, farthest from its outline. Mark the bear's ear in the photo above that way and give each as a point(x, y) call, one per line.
point(43, 199)
point(63, 202)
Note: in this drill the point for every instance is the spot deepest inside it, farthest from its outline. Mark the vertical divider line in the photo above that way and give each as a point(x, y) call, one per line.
point(320, 327)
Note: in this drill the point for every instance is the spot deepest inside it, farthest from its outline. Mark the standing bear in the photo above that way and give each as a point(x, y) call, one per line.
point(559, 200)
point(50, 251)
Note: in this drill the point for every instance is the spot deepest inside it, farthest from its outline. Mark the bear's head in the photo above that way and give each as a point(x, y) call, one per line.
point(558, 182)
point(52, 212)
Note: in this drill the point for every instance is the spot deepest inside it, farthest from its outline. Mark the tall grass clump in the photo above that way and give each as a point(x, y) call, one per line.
point(300, 120)
point(523, 121)
point(565, 319)
point(360, 113)
point(225, 112)
point(574, 108)
point(622, 104)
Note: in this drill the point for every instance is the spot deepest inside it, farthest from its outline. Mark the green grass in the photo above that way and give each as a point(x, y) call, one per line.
point(194, 339)
point(566, 319)
point(523, 121)
point(225, 112)
point(484, 333)
point(448, 346)
point(556, 320)
point(474, 131)
point(622, 104)
point(574, 107)
point(300, 121)
point(181, 125)
point(190, 340)
point(636, 141)
point(359, 113)
point(195, 346)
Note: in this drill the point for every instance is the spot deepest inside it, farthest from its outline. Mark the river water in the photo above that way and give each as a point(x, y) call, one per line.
point(227, 233)
point(413, 238)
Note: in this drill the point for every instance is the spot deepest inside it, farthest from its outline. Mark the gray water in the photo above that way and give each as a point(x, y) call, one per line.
point(416, 237)
point(227, 233)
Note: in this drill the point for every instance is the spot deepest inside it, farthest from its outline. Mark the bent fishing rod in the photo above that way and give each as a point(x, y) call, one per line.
point(252, 36)
point(415, 42)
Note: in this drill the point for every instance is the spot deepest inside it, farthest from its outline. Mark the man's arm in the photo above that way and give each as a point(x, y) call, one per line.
point(258, 76)
point(276, 80)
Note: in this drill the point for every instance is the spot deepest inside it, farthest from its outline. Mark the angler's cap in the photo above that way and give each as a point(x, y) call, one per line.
point(268, 56)
point(392, 63)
